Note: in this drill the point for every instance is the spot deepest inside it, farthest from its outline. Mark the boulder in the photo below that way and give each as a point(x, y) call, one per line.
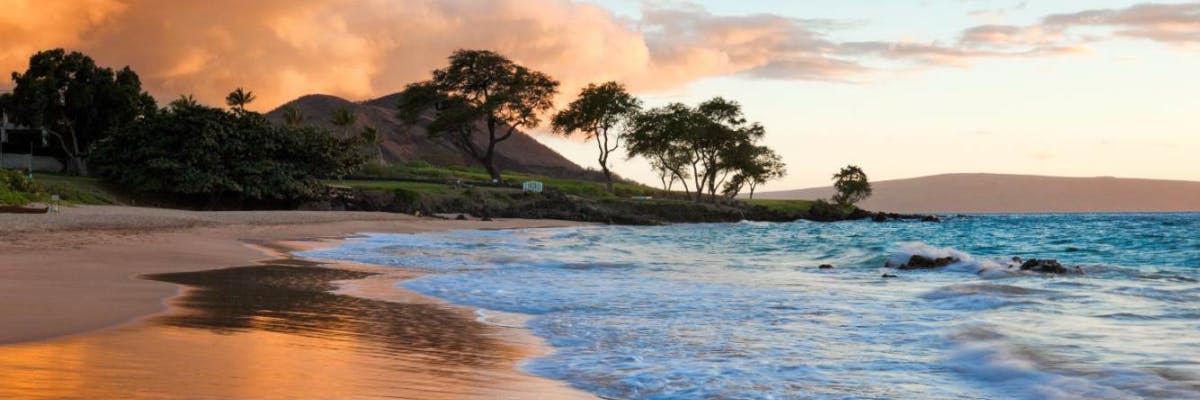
point(1047, 267)
point(887, 275)
point(921, 262)
point(825, 266)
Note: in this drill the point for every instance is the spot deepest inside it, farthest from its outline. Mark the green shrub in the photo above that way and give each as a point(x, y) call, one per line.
point(17, 189)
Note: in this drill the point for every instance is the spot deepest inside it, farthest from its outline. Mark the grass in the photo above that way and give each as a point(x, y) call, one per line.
point(422, 170)
point(77, 189)
point(785, 206)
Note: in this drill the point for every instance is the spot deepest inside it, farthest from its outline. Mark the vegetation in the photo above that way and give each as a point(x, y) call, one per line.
point(710, 143)
point(78, 189)
point(78, 102)
point(17, 189)
point(851, 185)
point(480, 92)
point(238, 99)
point(598, 110)
point(198, 152)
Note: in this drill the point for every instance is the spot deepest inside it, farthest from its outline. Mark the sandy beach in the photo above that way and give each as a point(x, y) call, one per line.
point(99, 302)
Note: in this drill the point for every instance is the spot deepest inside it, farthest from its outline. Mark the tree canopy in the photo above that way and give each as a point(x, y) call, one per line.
point(480, 92)
point(596, 113)
point(851, 186)
point(78, 102)
point(709, 143)
point(204, 153)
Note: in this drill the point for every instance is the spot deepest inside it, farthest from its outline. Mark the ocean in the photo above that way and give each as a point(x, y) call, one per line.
point(742, 311)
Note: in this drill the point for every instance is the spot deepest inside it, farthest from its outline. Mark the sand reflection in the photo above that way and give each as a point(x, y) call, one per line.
point(275, 331)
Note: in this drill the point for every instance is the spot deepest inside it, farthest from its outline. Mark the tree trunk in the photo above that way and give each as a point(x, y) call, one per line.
point(489, 164)
point(608, 178)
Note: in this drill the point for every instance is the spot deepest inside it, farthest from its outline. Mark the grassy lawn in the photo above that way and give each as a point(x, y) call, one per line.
point(787, 206)
point(77, 190)
point(421, 170)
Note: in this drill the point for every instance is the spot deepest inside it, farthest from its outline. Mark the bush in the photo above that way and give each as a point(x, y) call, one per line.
point(196, 153)
point(17, 189)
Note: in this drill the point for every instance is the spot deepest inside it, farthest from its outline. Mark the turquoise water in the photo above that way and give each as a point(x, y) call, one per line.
point(741, 311)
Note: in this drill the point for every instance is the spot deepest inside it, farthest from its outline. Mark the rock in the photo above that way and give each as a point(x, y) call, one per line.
point(825, 266)
point(921, 262)
point(486, 219)
point(461, 217)
point(930, 218)
point(887, 275)
point(1048, 267)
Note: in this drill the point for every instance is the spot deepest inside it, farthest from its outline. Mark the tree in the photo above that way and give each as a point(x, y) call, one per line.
point(238, 99)
point(851, 185)
point(706, 143)
point(480, 93)
point(755, 165)
point(199, 153)
point(598, 110)
point(77, 102)
point(660, 136)
point(343, 118)
point(185, 101)
point(292, 116)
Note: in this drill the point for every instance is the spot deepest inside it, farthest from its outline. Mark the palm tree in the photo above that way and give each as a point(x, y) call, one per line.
point(292, 116)
point(374, 139)
point(185, 101)
point(238, 99)
point(343, 118)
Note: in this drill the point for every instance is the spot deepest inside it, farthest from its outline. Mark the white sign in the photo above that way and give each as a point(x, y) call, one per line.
point(532, 186)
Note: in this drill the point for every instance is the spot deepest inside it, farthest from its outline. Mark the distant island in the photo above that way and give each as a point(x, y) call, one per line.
point(999, 193)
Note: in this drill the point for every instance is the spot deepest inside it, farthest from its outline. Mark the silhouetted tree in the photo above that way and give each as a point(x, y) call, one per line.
point(755, 165)
point(292, 116)
point(599, 110)
point(197, 152)
point(238, 99)
point(660, 136)
point(343, 118)
point(707, 143)
point(851, 185)
point(479, 92)
point(184, 101)
point(77, 101)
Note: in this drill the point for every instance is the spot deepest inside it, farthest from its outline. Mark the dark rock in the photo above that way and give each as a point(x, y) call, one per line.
point(930, 218)
point(486, 219)
point(1072, 249)
point(887, 275)
point(1048, 267)
point(461, 217)
point(825, 266)
point(922, 262)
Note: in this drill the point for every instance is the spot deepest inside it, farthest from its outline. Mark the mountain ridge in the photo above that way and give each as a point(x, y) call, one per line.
point(404, 142)
point(999, 193)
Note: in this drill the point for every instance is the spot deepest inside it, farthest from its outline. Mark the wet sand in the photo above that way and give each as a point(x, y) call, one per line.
point(84, 317)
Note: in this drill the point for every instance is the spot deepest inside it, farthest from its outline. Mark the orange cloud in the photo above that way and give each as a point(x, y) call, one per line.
point(282, 49)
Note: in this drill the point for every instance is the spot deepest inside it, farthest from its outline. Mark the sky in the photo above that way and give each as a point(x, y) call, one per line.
point(902, 88)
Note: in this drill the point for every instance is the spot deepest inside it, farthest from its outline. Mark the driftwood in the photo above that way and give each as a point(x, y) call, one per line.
point(23, 210)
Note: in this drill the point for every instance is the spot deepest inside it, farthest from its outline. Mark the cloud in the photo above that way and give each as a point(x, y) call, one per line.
point(1167, 23)
point(282, 49)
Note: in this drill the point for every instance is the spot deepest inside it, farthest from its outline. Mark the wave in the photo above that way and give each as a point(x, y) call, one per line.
point(1019, 371)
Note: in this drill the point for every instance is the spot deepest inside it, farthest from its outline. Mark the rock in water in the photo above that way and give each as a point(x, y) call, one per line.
point(922, 262)
point(887, 275)
point(1047, 267)
point(825, 266)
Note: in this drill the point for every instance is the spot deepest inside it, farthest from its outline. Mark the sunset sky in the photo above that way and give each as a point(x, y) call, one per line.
point(900, 87)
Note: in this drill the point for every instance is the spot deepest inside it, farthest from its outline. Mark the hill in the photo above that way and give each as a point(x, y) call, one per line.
point(406, 143)
point(970, 193)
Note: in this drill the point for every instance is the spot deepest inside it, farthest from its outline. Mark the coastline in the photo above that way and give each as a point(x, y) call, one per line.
point(90, 283)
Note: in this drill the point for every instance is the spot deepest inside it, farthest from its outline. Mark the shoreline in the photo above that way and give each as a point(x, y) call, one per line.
point(66, 286)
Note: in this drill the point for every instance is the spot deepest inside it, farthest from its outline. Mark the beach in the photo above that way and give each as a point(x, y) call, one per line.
point(103, 302)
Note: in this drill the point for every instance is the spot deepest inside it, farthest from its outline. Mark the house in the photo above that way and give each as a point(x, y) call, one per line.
point(17, 144)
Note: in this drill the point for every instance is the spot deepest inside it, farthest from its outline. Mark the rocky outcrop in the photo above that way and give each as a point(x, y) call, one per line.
point(1047, 266)
point(921, 262)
